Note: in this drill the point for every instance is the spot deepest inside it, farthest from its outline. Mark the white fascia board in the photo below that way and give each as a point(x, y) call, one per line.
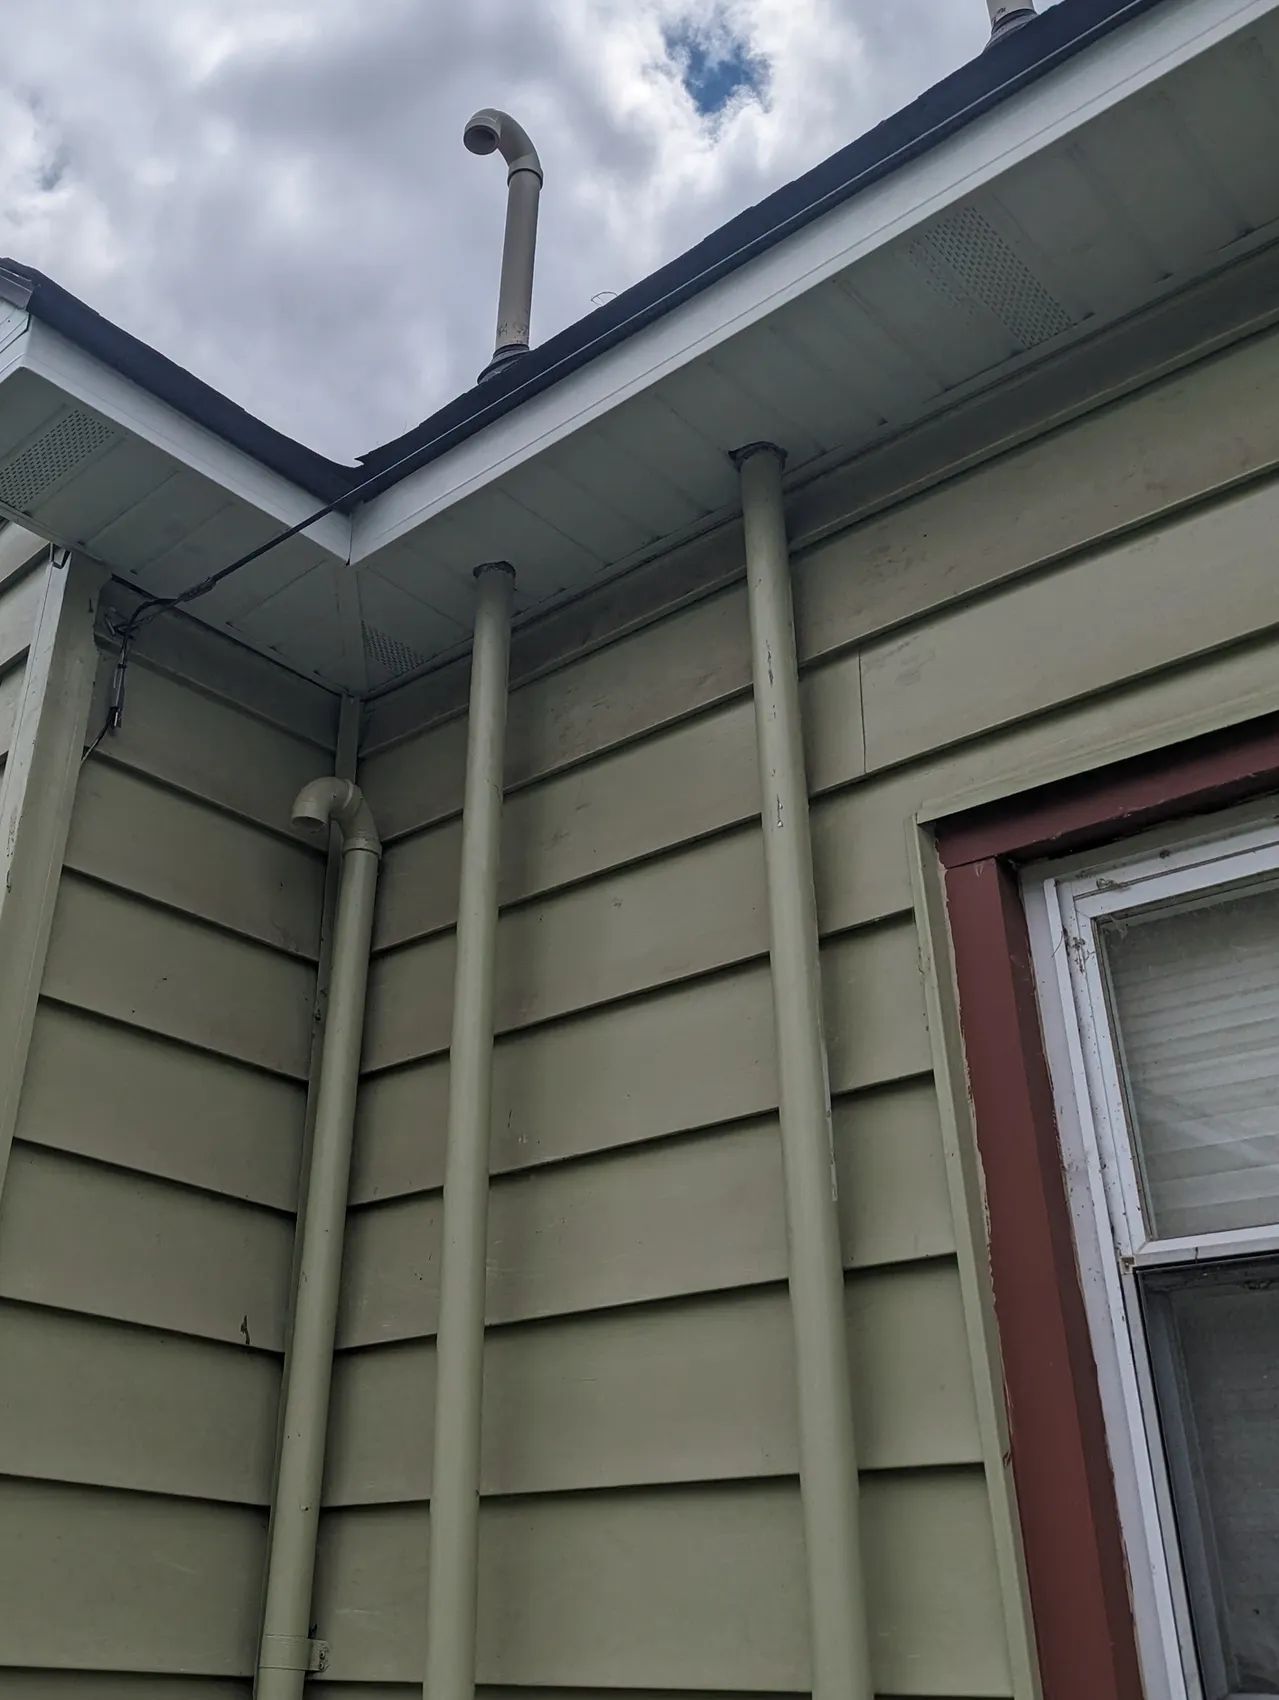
point(14, 322)
point(13, 352)
point(49, 355)
point(1086, 85)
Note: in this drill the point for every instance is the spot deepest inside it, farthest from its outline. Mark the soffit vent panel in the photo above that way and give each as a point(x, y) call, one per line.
point(387, 656)
point(964, 259)
point(27, 477)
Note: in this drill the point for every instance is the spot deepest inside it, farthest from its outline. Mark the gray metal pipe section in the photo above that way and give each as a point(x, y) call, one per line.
point(1007, 16)
point(519, 246)
point(459, 1346)
point(827, 1455)
point(287, 1651)
point(487, 131)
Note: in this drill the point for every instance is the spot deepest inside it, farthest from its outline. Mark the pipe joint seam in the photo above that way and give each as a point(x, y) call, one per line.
point(748, 451)
point(341, 802)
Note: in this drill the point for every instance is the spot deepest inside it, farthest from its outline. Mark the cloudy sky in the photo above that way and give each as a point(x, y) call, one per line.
point(275, 194)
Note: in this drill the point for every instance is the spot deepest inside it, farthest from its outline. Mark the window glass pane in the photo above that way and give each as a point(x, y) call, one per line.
point(1214, 1338)
point(1195, 994)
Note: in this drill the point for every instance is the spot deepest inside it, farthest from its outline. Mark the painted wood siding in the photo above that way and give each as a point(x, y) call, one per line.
point(21, 580)
point(146, 1226)
point(1096, 591)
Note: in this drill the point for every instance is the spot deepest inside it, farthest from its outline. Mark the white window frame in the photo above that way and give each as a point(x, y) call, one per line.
point(1064, 903)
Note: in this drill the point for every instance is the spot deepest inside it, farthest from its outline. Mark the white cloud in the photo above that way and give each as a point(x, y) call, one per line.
point(274, 192)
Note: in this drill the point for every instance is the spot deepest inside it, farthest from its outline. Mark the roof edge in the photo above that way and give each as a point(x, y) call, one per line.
point(1002, 69)
point(168, 382)
point(1006, 66)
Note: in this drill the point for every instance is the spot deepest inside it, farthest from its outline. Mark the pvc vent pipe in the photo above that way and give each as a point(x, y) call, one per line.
point(827, 1452)
point(452, 1578)
point(1007, 16)
point(287, 1651)
point(486, 132)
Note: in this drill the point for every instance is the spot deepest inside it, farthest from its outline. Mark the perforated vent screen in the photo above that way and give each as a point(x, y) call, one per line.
point(388, 655)
point(68, 442)
point(966, 260)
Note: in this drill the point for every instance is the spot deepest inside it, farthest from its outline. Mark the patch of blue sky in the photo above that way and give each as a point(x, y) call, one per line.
point(717, 67)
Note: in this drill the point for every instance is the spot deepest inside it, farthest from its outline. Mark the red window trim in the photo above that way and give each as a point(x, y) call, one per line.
point(1065, 1491)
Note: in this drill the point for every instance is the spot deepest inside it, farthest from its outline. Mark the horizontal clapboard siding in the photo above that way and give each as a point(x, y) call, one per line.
point(887, 1147)
point(701, 1389)
point(10, 692)
point(130, 1407)
point(124, 1096)
point(409, 1013)
point(667, 1218)
point(159, 970)
point(859, 878)
point(98, 1580)
point(700, 1588)
point(20, 594)
point(1095, 592)
point(698, 778)
point(107, 1242)
point(21, 588)
point(209, 748)
point(1173, 591)
point(1092, 478)
point(622, 808)
point(486, 1691)
point(587, 1084)
point(144, 838)
point(146, 1226)
point(85, 1685)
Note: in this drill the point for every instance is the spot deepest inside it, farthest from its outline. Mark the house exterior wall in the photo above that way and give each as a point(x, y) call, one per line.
point(22, 569)
point(146, 1221)
point(1102, 589)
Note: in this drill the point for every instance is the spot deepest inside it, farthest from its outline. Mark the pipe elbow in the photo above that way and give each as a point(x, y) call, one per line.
point(340, 802)
point(490, 130)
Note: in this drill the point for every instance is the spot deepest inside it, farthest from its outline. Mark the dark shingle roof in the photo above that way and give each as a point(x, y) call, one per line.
point(1008, 65)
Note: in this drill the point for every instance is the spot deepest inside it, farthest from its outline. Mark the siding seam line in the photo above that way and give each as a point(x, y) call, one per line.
point(172, 1039)
point(131, 894)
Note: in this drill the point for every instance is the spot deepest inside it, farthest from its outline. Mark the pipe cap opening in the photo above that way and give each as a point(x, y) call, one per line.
point(481, 134)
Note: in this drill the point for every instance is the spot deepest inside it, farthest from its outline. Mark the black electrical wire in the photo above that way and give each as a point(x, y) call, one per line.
point(156, 606)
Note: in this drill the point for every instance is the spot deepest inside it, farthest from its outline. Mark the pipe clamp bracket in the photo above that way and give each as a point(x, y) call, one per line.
point(294, 1652)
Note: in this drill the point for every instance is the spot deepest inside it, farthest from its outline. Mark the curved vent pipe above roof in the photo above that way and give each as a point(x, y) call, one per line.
point(1007, 16)
point(492, 131)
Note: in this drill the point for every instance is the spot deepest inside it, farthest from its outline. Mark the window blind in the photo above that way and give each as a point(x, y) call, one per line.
point(1194, 990)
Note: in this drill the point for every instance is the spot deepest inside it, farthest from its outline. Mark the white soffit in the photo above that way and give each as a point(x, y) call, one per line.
point(1142, 164)
point(92, 460)
point(1037, 124)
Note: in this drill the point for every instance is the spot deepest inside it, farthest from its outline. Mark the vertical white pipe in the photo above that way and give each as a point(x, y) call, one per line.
point(459, 1352)
point(827, 1456)
point(485, 131)
point(515, 290)
point(285, 1651)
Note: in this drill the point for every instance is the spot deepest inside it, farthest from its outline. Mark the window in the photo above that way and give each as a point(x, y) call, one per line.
point(1158, 977)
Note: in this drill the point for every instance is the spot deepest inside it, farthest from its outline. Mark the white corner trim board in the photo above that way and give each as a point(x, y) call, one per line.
point(36, 797)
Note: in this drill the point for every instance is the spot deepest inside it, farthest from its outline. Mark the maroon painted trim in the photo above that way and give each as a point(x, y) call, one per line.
point(1070, 814)
point(1061, 1466)
point(1065, 1495)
